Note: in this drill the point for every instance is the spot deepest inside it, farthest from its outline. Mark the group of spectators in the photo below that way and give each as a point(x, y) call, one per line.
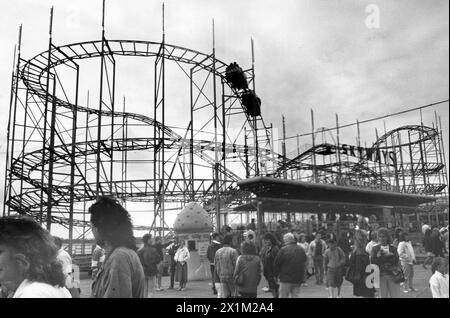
point(287, 266)
point(151, 256)
point(34, 264)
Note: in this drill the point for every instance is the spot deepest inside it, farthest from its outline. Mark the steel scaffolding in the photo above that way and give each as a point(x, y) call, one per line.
point(63, 154)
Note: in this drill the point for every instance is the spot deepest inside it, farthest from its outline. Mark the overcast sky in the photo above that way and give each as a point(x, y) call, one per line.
point(328, 55)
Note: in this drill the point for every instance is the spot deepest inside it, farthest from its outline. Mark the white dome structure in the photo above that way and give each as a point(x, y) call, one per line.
point(193, 219)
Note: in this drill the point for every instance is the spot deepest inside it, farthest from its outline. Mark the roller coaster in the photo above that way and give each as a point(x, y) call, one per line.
point(63, 153)
point(50, 171)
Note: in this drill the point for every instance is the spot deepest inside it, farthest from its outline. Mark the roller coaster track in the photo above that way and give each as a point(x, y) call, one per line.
point(34, 73)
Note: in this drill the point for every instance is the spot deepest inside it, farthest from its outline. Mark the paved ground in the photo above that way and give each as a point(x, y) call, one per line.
point(202, 289)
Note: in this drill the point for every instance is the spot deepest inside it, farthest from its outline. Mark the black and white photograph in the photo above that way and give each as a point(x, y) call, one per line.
point(224, 154)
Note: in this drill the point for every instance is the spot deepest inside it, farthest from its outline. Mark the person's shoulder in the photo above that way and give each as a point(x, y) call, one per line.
point(434, 278)
point(121, 254)
point(63, 253)
point(43, 290)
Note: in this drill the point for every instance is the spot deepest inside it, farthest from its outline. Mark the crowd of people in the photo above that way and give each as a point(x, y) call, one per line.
point(34, 264)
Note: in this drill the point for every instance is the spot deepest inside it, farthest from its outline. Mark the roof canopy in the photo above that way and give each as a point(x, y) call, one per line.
point(280, 195)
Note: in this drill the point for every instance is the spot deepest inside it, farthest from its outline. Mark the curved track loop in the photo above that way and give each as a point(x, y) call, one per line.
point(425, 133)
point(33, 74)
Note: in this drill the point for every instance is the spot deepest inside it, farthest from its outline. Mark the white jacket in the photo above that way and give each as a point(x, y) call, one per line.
point(182, 254)
point(406, 252)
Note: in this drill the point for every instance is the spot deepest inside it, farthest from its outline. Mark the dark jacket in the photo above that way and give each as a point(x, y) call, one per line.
point(159, 248)
point(121, 276)
point(427, 243)
point(149, 257)
point(290, 264)
point(173, 250)
point(249, 266)
point(386, 263)
point(344, 244)
point(211, 251)
point(436, 245)
point(268, 256)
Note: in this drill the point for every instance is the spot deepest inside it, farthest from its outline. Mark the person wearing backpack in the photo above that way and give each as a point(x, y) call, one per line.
point(356, 272)
point(149, 257)
point(317, 248)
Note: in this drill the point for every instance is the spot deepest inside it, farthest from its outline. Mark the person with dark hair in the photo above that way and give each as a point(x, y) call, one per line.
point(436, 243)
point(172, 250)
point(290, 267)
point(66, 261)
point(334, 261)
point(385, 256)
point(213, 247)
point(407, 259)
point(427, 244)
point(317, 248)
point(149, 257)
point(439, 279)
point(247, 273)
point(225, 263)
point(268, 255)
point(122, 275)
point(359, 260)
point(159, 246)
point(28, 264)
point(344, 244)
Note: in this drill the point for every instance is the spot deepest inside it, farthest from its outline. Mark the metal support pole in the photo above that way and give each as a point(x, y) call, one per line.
point(224, 139)
point(283, 146)
point(413, 174)
point(396, 174)
point(72, 161)
point(47, 88)
point(7, 187)
point(423, 162)
point(255, 122)
point(100, 108)
point(85, 171)
point(260, 217)
point(247, 168)
point(51, 159)
point(163, 148)
point(191, 146)
point(378, 155)
point(402, 165)
point(338, 148)
point(111, 172)
point(216, 150)
point(314, 145)
point(124, 153)
point(24, 144)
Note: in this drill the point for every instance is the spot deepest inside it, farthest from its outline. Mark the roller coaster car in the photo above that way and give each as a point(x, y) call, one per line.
point(252, 103)
point(236, 76)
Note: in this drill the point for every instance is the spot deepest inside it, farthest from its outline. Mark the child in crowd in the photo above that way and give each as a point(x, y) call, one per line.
point(439, 280)
point(335, 261)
